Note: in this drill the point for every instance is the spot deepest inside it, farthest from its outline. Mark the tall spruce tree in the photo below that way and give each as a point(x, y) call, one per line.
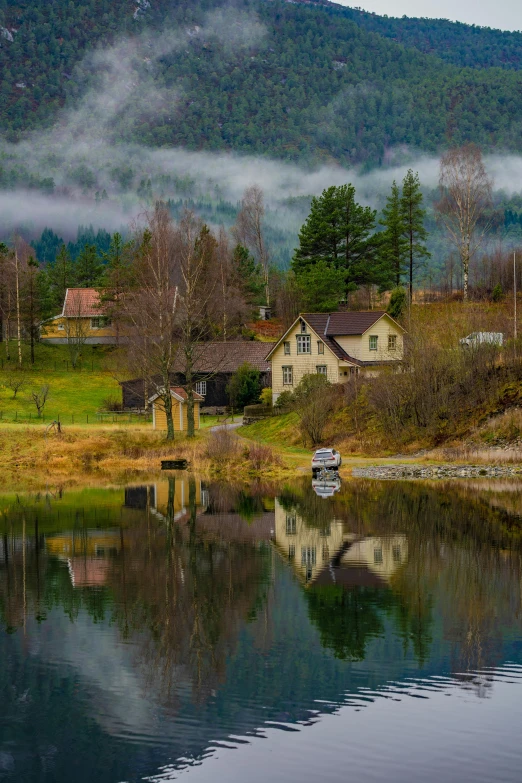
point(340, 233)
point(61, 275)
point(89, 267)
point(116, 279)
point(394, 245)
point(413, 215)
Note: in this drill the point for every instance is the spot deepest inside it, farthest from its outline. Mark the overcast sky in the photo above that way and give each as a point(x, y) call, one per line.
point(502, 14)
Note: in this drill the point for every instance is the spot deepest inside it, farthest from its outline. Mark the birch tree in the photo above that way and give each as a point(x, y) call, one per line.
point(150, 308)
point(465, 195)
point(248, 231)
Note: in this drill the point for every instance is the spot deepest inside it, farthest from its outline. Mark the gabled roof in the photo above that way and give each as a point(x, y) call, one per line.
point(178, 394)
point(327, 326)
point(344, 324)
point(82, 303)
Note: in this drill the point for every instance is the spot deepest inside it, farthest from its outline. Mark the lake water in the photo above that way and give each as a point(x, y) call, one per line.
point(184, 630)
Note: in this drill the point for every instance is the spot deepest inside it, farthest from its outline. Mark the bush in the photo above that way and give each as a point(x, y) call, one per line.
point(266, 397)
point(397, 303)
point(222, 446)
point(313, 402)
point(244, 387)
point(112, 404)
point(497, 294)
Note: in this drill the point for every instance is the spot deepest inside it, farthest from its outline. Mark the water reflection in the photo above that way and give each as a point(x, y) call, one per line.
point(163, 618)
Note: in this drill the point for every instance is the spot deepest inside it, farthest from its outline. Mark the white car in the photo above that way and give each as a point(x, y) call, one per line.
point(326, 488)
point(326, 458)
point(475, 339)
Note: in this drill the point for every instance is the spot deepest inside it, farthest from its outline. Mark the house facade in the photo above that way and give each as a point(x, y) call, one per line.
point(82, 319)
point(336, 345)
point(215, 363)
point(179, 410)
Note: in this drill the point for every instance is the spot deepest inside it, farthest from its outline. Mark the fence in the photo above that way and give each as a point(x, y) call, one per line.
point(119, 417)
point(59, 366)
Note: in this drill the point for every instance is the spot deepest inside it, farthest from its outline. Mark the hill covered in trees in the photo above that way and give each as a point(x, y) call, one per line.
point(301, 82)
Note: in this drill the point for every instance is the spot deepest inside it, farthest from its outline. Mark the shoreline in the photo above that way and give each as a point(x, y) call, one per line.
point(83, 456)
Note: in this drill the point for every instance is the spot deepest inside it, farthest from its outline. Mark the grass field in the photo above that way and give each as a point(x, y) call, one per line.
point(73, 393)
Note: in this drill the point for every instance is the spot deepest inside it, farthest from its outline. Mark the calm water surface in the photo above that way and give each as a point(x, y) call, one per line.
point(183, 630)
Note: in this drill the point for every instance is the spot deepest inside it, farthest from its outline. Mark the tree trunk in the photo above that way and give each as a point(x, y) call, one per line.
point(465, 275)
point(18, 319)
point(7, 334)
point(411, 267)
point(167, 403)
point(189, 385)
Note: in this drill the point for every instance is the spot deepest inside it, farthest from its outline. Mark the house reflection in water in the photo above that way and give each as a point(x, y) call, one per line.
point(332, 554)
point(89, 552)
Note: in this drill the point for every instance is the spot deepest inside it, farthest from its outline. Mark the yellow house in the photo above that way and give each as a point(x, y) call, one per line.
point(335, 345)
point(335, 554)
point(179, 410)
point(82, 319)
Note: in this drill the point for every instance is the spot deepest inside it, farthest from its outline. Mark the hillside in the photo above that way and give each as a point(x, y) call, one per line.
point(298, 82)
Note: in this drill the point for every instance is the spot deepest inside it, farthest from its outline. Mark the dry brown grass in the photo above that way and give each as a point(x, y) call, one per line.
point(32, 459)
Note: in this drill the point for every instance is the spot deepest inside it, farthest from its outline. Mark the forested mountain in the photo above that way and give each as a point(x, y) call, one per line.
point(295, 81)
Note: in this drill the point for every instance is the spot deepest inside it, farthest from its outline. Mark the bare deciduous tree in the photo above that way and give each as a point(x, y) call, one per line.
point(6, 296)
point(465, 190)
point(40, 398)
point(150, 309)
point(76, 326)
point(16, 382)
point(248, 230)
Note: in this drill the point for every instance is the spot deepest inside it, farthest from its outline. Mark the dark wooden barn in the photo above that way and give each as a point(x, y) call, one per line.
point(215, 365)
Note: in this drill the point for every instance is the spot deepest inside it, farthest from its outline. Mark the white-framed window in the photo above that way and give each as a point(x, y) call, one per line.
point(61, 327)
point(396, 553)
point(303, 327)
point(100, 322)
point(392, 342)
point(320, 346)
point(304, 343)
point(286, 348)
point(374, 339)
point(288, 376)
point(321, 369)
point(377, 555)
point(291, 524)
point(201, 388)
point(291, 552)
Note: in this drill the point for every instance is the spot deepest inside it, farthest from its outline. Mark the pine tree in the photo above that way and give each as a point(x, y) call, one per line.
point(413, 215)
point(88, 268)
point(250, 278)
point(116, 279)
point(61, 276)
point(340, 233)
point(394, 245)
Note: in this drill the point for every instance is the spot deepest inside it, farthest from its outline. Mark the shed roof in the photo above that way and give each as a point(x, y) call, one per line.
point(82, 303)
point(179, 394)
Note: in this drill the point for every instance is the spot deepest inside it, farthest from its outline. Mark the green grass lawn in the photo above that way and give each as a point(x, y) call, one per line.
point(276, 431)
point(77, 393)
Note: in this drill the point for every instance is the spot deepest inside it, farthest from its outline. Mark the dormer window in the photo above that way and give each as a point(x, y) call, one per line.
point(303, 327)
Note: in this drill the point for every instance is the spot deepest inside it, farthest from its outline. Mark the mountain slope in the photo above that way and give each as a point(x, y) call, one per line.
point(309, 83)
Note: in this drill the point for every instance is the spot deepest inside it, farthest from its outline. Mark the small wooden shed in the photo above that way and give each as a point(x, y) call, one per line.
point(179, 410)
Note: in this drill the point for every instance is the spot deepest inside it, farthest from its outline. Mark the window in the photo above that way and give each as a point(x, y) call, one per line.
point(392, 342)
point(291, 524)
point(201, 388)
point(61, 327)
point(286, 348)
point(373, 342)
point(99, 322)
point(288, 376)
point(291, 551)
point(396, 554)
point(377, 555)
point(304, 343)
point(321, 369)
point(308, 555)
point(324, 532)
point(303, 327)
point(320, 347)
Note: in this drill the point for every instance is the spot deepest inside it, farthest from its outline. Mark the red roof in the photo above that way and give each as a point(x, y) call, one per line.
point(183, 394)
point(82, 303)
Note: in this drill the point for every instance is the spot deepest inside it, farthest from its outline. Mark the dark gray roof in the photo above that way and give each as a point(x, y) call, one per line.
point(343, 324)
